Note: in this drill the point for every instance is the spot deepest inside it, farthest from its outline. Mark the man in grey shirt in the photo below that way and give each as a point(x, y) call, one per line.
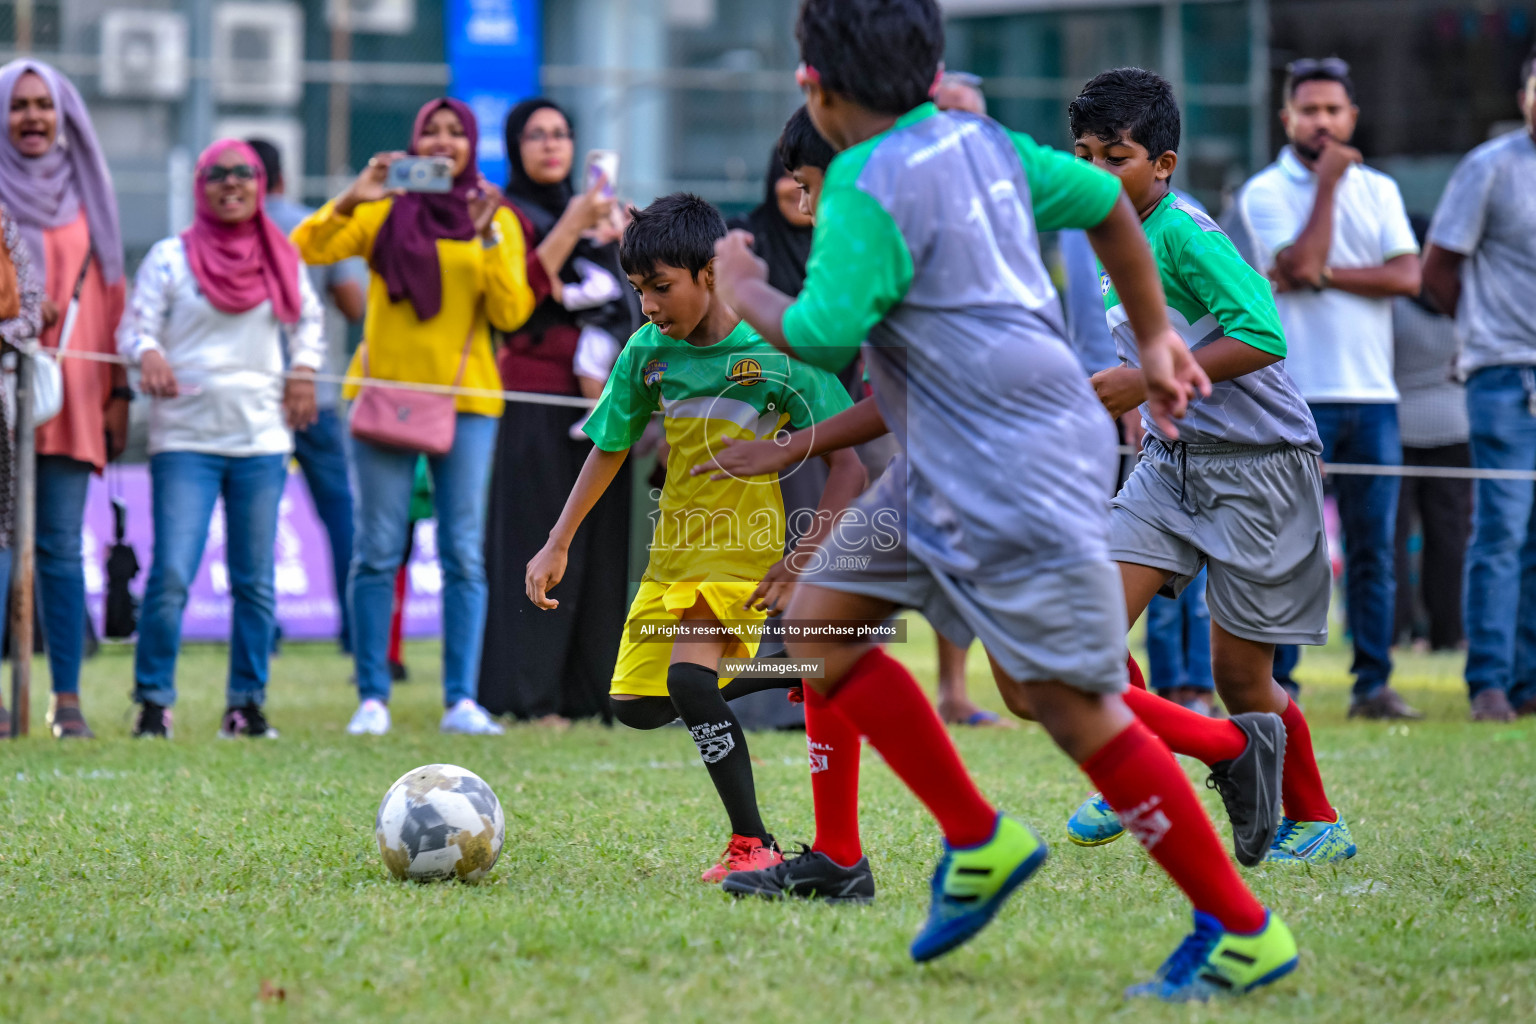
point(321, 449)
point(1481, 266)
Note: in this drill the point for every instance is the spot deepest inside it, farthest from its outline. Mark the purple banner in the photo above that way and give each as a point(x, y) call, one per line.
point(307, 608)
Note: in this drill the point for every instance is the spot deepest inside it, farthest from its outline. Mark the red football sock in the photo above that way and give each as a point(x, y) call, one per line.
point(1143, 783)
point(833, 744)
point(397, 618)
point(1137, 679)
point(1185, 731)
point(881, 700)
point(1301, 785)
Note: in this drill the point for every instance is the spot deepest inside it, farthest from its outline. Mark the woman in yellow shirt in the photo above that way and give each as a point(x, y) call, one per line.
point(447, 268)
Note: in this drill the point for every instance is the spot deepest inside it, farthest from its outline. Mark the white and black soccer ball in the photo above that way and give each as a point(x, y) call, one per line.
point(437, 822)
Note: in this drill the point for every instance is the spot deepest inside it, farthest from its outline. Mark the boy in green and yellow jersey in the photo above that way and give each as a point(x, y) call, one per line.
point(716, 568)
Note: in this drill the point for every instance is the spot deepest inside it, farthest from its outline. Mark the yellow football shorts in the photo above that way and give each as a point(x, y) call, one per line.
point(641, 670)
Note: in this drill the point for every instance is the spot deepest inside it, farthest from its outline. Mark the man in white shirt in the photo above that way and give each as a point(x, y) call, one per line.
point(1481, 266)
point(1334, 238)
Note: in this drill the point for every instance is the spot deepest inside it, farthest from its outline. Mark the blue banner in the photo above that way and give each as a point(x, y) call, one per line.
point(494, 52)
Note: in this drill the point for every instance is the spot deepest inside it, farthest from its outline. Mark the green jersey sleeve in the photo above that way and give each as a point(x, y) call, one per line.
point(1238, 296)
point(818, 395)
point(859, 268)
point(1066, 192)
point(627, 402)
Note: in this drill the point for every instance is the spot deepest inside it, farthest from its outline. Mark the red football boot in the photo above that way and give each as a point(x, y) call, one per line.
point(743, 853)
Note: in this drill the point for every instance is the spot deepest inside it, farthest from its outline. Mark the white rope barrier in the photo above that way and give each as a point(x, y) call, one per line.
point(573, 402)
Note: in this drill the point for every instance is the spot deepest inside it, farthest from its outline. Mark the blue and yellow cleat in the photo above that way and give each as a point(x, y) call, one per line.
point(972, 883)
point(1094, 823)
point(1212, 961)
point(1314, 842)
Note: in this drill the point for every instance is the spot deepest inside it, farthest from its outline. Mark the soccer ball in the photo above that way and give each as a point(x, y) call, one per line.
point(440, 821)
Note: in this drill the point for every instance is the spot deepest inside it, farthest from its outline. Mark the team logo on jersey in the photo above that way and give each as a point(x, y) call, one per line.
point(653, 371)
point(1104, 283)
point(746, 372)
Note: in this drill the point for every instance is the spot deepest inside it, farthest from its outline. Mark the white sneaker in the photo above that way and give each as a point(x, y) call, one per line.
point(370, 719)
point(471, 719)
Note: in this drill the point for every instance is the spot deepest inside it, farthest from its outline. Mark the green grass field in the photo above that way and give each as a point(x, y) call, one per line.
point(192, 880)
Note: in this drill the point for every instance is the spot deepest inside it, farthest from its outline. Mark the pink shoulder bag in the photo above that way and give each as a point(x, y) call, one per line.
point(417, 421)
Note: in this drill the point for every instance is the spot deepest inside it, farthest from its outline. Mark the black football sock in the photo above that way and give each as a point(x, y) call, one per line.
point(748, 684)
point(722, 745)
point(644, 712)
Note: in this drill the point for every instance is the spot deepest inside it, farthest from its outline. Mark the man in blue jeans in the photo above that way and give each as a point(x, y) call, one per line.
point(1179, 648)
point(1481, 266)
point(321, 450)
point(1334, 237)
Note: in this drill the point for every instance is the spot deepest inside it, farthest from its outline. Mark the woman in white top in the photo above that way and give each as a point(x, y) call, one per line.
point(207, 324)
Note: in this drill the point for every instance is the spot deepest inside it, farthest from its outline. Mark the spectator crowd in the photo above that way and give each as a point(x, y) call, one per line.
point(1412, 339)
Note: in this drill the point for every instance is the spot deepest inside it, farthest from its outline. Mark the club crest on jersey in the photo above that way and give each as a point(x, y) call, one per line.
point(746, 372)
point(1104, 283)
point(653, 371)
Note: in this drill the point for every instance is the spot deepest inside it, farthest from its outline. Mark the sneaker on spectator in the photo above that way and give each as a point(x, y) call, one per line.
point(1492, 705)
point(398, 673)
point(1191, 698)
point(246, 721)
point(153, 722)
point(471, 719)
point(65, 718)
point(1385, 704)
point(370, 719)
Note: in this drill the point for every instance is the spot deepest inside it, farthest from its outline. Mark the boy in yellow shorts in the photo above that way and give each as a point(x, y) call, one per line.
point(715, 570)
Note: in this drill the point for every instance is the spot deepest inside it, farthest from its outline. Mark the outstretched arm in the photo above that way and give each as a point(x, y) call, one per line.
point(853, 426)
point(846, 480)
point(547, 568)
point(1123, 388)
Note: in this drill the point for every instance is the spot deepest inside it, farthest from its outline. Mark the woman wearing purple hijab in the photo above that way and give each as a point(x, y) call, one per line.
point(54, 182)
point(447, 269)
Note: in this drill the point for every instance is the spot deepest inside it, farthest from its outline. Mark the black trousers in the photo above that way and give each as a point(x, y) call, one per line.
point(1440, 510)
point(560, 662)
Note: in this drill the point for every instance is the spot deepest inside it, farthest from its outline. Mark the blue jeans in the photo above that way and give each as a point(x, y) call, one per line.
point(1500, 589)
point(321, 451)
point(61, 488)
point(1365, 433)
point(185, 486)
point(1179, 639)
point(382, 482)
point(5, 592)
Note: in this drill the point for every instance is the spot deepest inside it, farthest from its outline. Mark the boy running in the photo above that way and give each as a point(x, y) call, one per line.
point(1238, 492)
point(715, 556)
point(926, 244)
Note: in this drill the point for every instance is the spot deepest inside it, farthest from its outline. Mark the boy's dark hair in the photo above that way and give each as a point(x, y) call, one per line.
point(1528, 68)
point(1133, 101)
point(271, 160)
point(679, 230)
point(882, 54)
point(801, 145)
point(1315, 69)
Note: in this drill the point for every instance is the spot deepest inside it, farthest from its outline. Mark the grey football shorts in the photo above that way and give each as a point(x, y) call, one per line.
point(1062, 622)
point(1251, 516)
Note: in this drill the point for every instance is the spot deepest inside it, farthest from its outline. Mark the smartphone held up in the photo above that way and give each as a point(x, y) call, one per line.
point(420, 174)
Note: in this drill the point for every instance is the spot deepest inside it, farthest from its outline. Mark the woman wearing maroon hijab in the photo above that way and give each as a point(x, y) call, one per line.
point(211, 311)
point(447, 268)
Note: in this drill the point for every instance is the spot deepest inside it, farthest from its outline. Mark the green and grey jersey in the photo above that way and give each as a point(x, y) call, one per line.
point(926, 244)
point(1213, 293)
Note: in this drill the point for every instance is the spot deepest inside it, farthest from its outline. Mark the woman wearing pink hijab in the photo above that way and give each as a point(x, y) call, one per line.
point(212, 309)
point(55, 184)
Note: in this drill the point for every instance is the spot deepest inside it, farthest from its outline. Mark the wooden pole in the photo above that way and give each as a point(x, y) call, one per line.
point(24, 26)
point(22, 551)
point(339, 136)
